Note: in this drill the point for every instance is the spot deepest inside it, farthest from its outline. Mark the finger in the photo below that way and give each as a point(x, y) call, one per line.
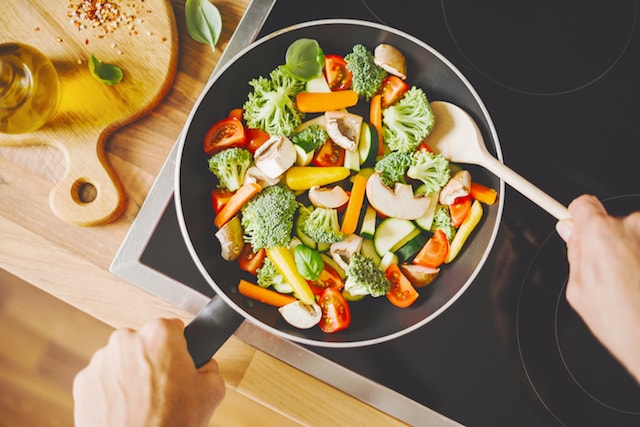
point(584, 207)
point(564, 228)
point(210, 367)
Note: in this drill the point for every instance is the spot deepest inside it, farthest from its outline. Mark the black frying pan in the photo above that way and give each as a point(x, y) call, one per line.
point(373, 320)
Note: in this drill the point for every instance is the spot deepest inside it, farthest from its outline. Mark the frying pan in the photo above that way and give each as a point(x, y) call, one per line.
point(374, 320)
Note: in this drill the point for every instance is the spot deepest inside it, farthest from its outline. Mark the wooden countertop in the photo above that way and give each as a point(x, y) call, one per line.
point(72, 262)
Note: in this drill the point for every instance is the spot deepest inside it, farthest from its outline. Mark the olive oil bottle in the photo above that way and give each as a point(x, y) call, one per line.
point(29, 88)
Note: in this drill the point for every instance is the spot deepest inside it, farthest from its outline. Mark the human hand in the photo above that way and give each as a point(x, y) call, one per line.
point(147, 378)
point(604, 276)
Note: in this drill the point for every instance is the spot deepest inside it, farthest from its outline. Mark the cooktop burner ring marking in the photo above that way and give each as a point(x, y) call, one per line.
point(559, 301)
point(511, 86)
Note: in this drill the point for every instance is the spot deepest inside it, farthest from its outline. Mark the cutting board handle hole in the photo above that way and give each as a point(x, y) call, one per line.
point(83, 192)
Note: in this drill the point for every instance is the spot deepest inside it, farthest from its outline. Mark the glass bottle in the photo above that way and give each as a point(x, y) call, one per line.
point(29, 88)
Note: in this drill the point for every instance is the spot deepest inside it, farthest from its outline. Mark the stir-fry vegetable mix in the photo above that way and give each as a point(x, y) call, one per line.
point(327, 206)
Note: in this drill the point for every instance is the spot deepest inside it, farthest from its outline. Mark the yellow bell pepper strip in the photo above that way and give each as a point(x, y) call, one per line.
point(354, 206)
point(320, 102)
point(264, 295)
point(305, 177)
point(467, 226)
point(286, 264)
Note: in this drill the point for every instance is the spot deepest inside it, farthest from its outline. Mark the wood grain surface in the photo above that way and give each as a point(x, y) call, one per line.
point(141, 39)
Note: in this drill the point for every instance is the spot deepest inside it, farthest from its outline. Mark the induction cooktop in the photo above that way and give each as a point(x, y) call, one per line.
point(560, 80)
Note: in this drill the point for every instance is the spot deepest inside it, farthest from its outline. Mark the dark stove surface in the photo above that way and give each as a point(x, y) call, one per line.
point(560, 80)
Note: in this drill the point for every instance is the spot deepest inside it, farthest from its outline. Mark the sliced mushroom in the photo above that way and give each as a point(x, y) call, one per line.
point(301, 315)
point(324, 197)
point(397, 202)
point(341, 251)
point(390, 59)
point(419, 275)
point(275, 156)
point(343, 128)
point(255, 174)
point(230, 238)
point(458, 186)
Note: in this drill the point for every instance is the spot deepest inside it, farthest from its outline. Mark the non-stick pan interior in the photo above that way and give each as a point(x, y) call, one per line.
point(373, 320)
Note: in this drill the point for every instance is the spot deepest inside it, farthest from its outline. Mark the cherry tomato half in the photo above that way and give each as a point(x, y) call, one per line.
point(251, 261)
point(225, 133)
point(392, 89)
point(329, 154)
point(434, 252)
point(329, 278)
point(459, 210)
point(336, 314)
point(255, 138)
point(219, 198)
point(401, 293)
point(338, 76)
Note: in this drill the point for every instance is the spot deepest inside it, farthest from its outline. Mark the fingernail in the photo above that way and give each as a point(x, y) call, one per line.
point(564, 228)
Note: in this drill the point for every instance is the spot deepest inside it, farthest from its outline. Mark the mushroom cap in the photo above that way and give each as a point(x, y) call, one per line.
point(397, 202)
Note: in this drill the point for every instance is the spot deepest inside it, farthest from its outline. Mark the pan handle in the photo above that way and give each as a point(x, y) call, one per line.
point(209, 330)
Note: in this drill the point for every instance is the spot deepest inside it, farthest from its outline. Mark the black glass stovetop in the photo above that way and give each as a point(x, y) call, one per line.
point(561, 83)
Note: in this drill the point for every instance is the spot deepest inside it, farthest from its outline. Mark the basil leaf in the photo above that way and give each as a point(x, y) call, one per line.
point(308, 261)
point(107, 74)
point(204, 23)
point(304, 59)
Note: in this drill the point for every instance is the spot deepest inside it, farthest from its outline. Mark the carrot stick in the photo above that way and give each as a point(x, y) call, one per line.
point(319, 102)
point(483, 194)
point(264, 295)
point(375, 118)
point(235, 203)
point(356, 200)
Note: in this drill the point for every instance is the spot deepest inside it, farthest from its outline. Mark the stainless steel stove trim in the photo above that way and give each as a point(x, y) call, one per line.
point(126, 264)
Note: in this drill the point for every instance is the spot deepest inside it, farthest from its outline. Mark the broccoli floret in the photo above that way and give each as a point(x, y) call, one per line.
point(322, 226)
point(269, 275)
point(271, 106)
point(442, 221)
point(367, 75)
point(310, 138)
point(364, 277)
point(267, 219)
point(407, 122)
point(430, 168)
point(230, 167)
point(393, 167)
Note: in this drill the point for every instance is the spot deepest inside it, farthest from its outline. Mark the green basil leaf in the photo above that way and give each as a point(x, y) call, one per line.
point(304, 59)
point(204, 22)
point(107, 74)
point(308, 261)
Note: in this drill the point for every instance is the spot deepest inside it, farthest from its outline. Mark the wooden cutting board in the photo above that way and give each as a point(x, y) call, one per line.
point(144, 44)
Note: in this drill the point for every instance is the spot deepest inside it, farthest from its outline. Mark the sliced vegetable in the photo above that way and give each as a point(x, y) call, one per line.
point(336, 314)
point(231, 239)
point(354, 206)
point(419, 275)
point(368, 227)
point(368, 250)
point(435, 251)
point(393, 87)
point(219, 198)
point(318, 84)
point(337, 74)
point(264, 295)
point(459, 210)
point(305, 177)
point(368, 146)
point(236, 113)
point(426, 220)
point(343, 128)
point(375, 118)
point(412, 247)
point(401, 293)
point(235, 203)
point(397, 202)
point(301, 315)
point(255, 139)
point(392, 233)
point(467, 226)
point(319, 102)
point(328, 197)
point(283, 259)
point(329, 278)
point(226, 133)
point(482, 193)
point(329, 154)
point(251, 260)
